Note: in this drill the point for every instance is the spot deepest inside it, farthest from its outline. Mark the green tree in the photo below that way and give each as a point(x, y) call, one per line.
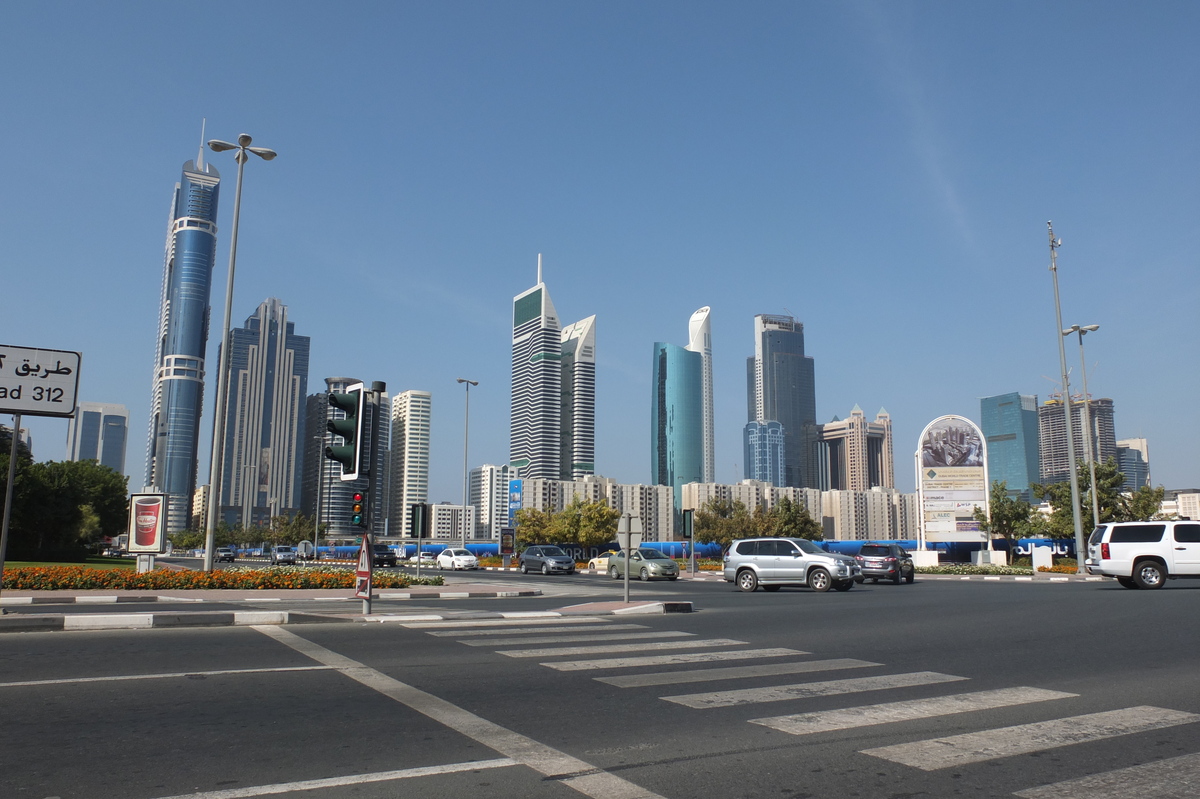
point(533, 527)
point(597, 524)
point(1142, 505)
point(60, 507)
point(720, 521)
point(793, 520)
point(1114, 506)
point(1008, 517)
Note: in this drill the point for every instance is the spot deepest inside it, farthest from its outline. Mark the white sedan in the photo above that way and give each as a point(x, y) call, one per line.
point(456, 559)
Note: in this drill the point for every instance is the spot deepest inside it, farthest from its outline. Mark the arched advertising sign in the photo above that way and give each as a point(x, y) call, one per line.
point(951, 480)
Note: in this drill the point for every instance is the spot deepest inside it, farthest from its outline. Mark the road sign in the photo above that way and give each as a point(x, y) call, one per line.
point(362, 574)
point(37, 382)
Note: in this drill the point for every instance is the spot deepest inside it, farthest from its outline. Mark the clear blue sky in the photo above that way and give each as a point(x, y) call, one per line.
point(882, 170)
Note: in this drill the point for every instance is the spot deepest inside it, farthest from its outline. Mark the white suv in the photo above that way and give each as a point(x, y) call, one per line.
point(1145, 554)
point(775, 562)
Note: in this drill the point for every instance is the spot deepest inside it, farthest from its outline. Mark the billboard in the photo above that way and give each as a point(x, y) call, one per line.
point(515, 495)
point(952, 480)
point(147, 524)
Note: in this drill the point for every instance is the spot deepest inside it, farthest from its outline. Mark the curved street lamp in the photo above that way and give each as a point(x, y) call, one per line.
point(466, 420)
point(214, 471)
point(1088, 448)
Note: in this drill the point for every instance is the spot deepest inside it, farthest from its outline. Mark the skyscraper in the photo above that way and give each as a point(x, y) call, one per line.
point(1052, 437)
point(1009, 422)
point(1133, 461)
point(577, 454)
point(489, 496)
point(763, 444)
point(178, 388)
point(98, 432)
point(781, 387)
point(262, 455)
point(409, 478)
point(700, 340)
point(552, 425)
point(677, 418)
point(856, 455)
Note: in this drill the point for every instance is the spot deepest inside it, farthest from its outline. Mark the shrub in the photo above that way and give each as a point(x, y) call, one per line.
point(61, 578)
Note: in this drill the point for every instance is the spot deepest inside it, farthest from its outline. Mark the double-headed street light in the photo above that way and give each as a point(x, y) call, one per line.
point(1089, 452)
point(214, 470)
point(466, 420)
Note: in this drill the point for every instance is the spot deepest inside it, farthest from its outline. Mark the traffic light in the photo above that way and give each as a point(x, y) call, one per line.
point(350, 454)
point(419, 523)
point(358, 509)
point(687, 523)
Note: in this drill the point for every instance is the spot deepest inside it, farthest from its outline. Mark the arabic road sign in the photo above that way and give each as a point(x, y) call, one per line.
point(37, 382)
point(362, 574)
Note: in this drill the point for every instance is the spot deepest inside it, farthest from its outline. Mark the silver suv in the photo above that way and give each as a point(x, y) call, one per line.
point(1145, 554)
point(283, 554)
point(775, 562)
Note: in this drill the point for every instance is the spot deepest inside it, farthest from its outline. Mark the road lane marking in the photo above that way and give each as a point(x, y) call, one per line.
point(780, 693)
point(975, 747)
point(732, 672)
point(613, 648)
point(1173, 778)
point(120, 677)
point(667, 660)
point(528, 630)
point(577, 635)
point(353, 779)
point(446, 624)
point(547, 761)
point(889, 712)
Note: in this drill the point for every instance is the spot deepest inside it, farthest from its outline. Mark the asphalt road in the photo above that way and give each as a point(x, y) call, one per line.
point(936, 689)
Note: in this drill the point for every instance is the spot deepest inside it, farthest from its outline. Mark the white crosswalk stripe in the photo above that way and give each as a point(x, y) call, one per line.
point(958, 750)
point(523, 630)
point(732, 672)
point(779, 693)
point(868, 715)
point(667, 660)
point(573, 638)
point(468, 623)
point(612, 648)
point(1173, 778)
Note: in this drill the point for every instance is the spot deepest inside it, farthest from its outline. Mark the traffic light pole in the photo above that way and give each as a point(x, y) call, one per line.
point(8, 495)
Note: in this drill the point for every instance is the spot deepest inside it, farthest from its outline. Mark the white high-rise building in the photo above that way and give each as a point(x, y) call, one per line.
point(700, 340)
point(446, 522)
point(577, 457)
point(535, 416)
point(489, 496)
point(409, 468)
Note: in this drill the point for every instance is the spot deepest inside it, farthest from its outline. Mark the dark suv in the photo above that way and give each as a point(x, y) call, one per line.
point(382, 555)
point(886, 562)
point(547, 560)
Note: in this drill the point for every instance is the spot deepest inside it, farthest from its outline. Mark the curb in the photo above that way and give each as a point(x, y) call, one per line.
point(59, 621)
point(644, 609)
point(379, 594)
point(1047, 577)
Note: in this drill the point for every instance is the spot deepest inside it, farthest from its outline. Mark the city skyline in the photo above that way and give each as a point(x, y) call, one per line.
point(882, 172)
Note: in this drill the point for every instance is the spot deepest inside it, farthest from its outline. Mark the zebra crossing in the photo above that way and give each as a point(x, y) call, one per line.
point(574, 645)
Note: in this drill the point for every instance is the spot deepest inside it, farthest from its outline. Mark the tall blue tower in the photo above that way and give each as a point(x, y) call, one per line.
point(1009, 422)
point(677, 418)
point(178, 392)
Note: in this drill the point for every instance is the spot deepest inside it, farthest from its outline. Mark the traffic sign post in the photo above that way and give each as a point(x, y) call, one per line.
point(362, 574)
point(629, 536)
point(688, 517)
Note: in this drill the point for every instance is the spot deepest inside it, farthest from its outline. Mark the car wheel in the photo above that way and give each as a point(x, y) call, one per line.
point(1127, 582)
point(912, 575)
point(896, 577)
point(843, 585)
point(644, 575)
point(1149, 574)
point(612, 572)
point(772, 588)
point(546, 568)
point(819, 580)
point(875, 580)
point(524, 569)
point(672, 576)
point(860, 579)
point(747, 580)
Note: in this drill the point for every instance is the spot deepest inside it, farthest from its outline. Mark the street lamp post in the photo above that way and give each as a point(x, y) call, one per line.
point(1062, 360)
point(214, 471)
point(466, 420)
point(1089, 450)
point(320, 488)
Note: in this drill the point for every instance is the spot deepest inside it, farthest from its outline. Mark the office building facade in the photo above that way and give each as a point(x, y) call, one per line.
point(98, 432)
point(676, 418)
point(781, 387)
point(577, 413)
point(1052, 437)
point(177, 393)
point(408, 480)
point(1009, 423)
point(488, 494)
point(763, 452)
point(856, 455)
point(1133, 461)
point(263, 452)
point(700, 340)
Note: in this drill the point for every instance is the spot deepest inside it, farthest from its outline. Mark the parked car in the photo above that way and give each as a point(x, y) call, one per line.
point(885, 562)
point(226, 554)
point(283, 554)
point(644, 564)
point(457, 558)
point(600, 562)
point(1145, 554)
point(547, 560)
point(423, 559)
point(776, 562)
point(382, 555)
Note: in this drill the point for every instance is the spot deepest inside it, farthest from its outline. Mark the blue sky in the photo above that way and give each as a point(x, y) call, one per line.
point(883, 171)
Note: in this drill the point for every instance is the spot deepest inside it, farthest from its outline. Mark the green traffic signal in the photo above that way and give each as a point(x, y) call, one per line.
point(350, 454)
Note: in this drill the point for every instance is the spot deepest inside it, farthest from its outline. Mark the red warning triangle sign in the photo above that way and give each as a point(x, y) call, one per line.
point(364, 558)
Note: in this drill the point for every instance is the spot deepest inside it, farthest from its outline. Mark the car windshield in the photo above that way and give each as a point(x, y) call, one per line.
point(283, 549)
point(552, 551)
point(652, 554)
point(460, 552)
point(873, 551)
point(808, 546)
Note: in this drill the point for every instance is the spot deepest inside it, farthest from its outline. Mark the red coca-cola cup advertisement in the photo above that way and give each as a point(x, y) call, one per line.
point(147, 513)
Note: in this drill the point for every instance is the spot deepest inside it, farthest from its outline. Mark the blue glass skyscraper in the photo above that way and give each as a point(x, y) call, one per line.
point(178, 392)
point(1009, 422)
point(677, 418)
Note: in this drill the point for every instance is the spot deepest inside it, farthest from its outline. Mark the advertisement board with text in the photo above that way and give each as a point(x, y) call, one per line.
point(952, 479)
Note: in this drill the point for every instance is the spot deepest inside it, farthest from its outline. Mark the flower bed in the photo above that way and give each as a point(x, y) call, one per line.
point(968, 568)
point(61, 578)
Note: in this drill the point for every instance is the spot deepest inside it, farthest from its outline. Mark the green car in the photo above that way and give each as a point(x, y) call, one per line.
point(647, 563)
